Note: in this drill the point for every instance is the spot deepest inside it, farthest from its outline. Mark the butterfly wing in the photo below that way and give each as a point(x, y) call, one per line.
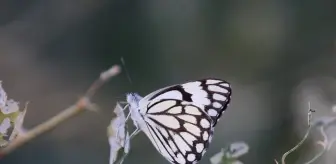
point(211, 95)
point(180, 131)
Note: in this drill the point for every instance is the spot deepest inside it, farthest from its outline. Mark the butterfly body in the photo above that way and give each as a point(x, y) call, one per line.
point(179, 120)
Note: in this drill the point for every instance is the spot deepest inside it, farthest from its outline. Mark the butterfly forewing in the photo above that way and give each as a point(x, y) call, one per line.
point(211, 95)
point(179, 130)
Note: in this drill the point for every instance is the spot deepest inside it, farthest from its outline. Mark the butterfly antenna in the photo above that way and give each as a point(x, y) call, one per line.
point(127, 74)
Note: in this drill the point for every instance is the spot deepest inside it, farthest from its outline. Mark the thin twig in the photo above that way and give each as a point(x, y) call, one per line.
point(72, 111)
point(103, 78)
point(296, 146)
point(309, 118)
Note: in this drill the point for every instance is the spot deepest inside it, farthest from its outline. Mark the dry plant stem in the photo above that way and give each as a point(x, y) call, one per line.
point(80, 106)
point(295, 147)
point(324, 147)
point(42, 128)
point(309, 118)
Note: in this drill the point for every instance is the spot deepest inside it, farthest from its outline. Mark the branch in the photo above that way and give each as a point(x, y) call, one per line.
point(72, 111)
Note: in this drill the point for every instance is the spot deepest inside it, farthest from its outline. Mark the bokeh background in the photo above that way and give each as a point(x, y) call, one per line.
point(278, 56)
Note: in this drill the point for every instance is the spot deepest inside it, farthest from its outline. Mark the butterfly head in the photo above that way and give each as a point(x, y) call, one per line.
point(133, 99)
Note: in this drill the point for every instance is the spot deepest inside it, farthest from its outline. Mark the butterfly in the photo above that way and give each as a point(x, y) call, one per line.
point(180, 119)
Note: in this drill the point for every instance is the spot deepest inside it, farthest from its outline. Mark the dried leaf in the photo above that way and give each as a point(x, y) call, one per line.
point(237, 149)
point(11, 119)
point(217, 158)
point(117, 134)
point(3, 96)
point(230, 154)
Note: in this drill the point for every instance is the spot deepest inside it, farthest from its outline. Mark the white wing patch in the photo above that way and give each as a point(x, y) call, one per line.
point(192, 110)
point(216, 88)
point(212, 81)
point(175, 110)
point(188, 137)
point(216, 99)
point(219, 97)
point(198, 95)
point(212, 112)
point(159, 107)
point(188, 118)
point(205, 123)
point(167, 121)
point(217, 105)
point(199, 147)
point(205, 136)
point(171, 94)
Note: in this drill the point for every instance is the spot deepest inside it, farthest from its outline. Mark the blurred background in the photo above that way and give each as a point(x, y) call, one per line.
point(278, 56)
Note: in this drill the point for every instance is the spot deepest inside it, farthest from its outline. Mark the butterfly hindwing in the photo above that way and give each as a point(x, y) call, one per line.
point(179, 130)
point(211, 95)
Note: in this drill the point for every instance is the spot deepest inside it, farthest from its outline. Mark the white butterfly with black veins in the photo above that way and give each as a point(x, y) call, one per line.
point(179, 120)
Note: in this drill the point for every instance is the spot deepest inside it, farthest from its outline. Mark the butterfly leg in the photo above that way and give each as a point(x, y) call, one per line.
point(123, 102)
point(127, 141)
point(126, 147)
point(126, 117)
point(122, 158)
point(134, 133)
point(126, 104)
